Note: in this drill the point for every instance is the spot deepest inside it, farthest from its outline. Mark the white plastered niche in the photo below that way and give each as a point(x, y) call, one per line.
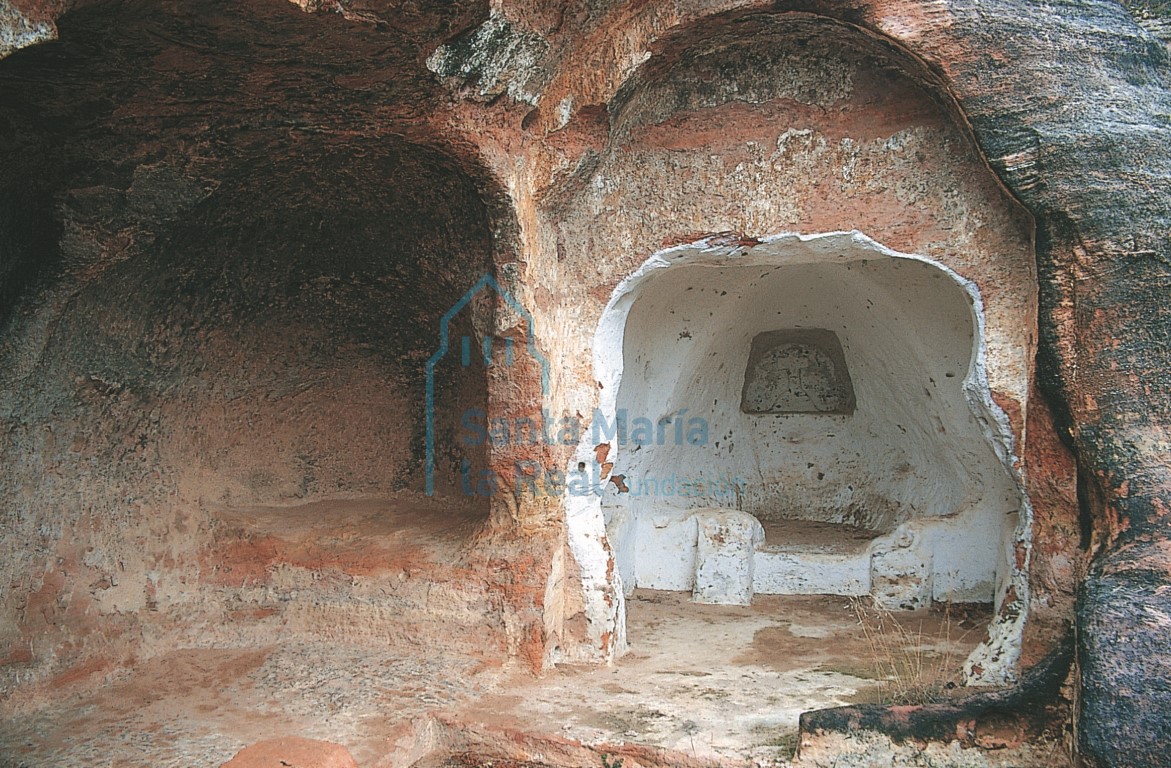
point(920, 475)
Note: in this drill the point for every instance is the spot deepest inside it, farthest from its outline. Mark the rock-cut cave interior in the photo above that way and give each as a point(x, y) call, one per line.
point(852, 443)
point(454, 384)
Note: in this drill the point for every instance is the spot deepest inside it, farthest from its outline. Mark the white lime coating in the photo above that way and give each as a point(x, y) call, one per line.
point(927, 458)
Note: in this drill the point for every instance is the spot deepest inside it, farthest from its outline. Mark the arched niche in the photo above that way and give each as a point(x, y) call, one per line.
point(905, 490)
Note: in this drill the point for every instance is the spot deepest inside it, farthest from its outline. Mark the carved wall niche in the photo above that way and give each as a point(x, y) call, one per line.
point(797, 371)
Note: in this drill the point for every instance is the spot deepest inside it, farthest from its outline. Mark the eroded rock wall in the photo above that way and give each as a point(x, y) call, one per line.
point(1081, 144)
point(219, 299)
point(1066, 101)
point(730, 129)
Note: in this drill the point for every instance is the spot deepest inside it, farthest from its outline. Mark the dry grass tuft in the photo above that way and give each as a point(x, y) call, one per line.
point(911, 665)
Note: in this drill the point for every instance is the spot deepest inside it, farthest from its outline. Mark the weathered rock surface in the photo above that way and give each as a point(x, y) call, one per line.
point(292, 752)
point(217, 219)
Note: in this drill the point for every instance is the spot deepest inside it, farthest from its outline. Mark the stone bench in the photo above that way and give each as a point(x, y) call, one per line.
point(725, 550)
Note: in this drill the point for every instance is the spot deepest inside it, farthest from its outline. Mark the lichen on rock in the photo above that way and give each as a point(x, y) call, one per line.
point(495, 58)
point(19, 31)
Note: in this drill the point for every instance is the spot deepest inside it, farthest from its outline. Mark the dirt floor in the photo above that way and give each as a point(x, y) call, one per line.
point(707, 681)
point(726, 681)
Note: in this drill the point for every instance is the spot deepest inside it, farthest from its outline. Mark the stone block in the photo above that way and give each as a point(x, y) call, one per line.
point(726, 547)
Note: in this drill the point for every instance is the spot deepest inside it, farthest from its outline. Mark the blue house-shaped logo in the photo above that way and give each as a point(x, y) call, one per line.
point(487, 282)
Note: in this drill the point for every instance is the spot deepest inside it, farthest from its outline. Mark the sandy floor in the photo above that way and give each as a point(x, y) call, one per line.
point(705, 680)
point(720, 681)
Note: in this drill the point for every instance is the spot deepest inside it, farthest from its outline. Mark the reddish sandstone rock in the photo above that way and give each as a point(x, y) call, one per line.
point(292, 752)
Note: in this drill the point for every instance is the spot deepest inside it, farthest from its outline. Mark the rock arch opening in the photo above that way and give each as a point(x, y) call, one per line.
point(806, 415)
point(789, 123)
point(753, 351)
point(214, 346)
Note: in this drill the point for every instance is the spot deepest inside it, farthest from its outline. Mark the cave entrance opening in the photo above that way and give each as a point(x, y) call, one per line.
point(805, 416)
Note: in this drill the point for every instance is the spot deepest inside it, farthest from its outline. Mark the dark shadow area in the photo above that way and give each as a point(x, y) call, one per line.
point(228, 233)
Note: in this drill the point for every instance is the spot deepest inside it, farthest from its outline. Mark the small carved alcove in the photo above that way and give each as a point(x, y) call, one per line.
point(797, 371)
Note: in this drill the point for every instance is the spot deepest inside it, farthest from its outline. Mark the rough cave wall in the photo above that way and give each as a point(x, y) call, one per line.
point(220, 287)
point(1083, 146)
point(739, 132)
point(687, 346)
point(731, 131)
point(918, 448)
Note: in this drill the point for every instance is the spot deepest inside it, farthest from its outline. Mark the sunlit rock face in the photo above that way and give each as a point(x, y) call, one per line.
point(822, 425)
point(231, 236)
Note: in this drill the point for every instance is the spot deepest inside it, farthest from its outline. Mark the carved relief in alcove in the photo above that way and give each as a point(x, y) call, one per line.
point(797, 371)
